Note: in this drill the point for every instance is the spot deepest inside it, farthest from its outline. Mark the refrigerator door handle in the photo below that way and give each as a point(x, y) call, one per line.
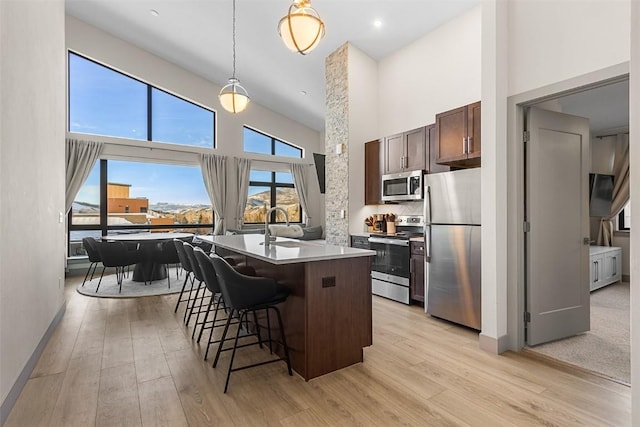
point(427, 243)
point(427, 204)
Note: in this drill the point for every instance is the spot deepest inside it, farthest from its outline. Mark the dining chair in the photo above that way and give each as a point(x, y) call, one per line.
point(118, 256)
point(89, 244)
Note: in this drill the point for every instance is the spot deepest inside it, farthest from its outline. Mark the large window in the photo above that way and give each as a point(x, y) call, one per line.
point(271, 188)
point(123, 196)
point(103, 101)
point(257, 142)
point(624, 217)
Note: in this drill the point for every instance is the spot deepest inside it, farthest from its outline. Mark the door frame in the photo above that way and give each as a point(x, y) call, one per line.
point(516, 260)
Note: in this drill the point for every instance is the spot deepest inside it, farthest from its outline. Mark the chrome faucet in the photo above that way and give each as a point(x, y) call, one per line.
point(268, 238)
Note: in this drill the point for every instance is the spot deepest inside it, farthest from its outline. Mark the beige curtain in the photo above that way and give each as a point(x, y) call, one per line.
point(620, 190)
point(300, 181)
point(243, 169)
point(80, 158)
point(214, 174)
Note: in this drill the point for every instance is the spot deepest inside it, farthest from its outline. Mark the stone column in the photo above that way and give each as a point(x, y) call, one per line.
point(337, 132)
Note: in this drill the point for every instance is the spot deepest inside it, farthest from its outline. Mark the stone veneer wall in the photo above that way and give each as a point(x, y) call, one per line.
point(337, 132)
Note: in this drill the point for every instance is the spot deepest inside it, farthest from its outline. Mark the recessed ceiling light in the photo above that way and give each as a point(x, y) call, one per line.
point(154, 12)
point(377, 23)
point(303, 92)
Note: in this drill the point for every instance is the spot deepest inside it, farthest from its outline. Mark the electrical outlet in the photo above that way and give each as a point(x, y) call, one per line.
point(60, 217)
point(343, 213)
point(59, 282)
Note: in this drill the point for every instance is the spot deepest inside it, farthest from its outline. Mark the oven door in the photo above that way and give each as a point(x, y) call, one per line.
point(392, 256)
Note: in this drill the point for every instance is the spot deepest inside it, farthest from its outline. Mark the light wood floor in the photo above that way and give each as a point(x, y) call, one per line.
point(132, 362)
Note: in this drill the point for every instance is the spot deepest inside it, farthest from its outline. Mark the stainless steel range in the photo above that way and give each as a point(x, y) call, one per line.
point(390, 267)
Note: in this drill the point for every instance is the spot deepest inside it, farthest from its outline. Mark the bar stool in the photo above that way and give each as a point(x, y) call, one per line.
point(188, 278)
point(243, 295)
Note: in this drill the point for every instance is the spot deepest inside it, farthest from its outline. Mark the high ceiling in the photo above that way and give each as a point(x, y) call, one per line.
point(197, 35)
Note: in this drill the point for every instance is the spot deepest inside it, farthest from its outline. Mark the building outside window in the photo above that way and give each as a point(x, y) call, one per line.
point(124, 197)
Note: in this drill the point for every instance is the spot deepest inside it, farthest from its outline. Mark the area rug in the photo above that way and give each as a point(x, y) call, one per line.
point(606, 347)
point(130, 289)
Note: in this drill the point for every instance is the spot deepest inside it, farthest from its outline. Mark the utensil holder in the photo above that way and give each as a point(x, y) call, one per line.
point(391, 227)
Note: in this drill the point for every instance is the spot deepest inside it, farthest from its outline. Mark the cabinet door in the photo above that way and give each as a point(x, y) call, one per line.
point(373, 165)
point(612, 264)
point(417, 277)
point(415, 147)
point(430, 152)
point(451, 134)
point(596, 271)
point(473, 130)
point(393, 153)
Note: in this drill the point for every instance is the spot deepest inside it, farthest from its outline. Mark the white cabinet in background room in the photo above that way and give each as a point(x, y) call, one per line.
point(605, 266)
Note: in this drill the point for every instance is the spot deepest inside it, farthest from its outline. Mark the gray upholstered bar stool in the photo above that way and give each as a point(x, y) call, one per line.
point(243, 295)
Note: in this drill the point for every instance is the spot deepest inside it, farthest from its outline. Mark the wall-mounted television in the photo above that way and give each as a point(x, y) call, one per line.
point(600, 194)
point(318, 160)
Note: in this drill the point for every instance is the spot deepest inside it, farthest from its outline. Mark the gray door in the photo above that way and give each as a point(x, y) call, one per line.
point(557, 164)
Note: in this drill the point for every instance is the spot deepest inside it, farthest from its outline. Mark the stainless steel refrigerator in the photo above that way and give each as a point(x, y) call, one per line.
point(452, 246)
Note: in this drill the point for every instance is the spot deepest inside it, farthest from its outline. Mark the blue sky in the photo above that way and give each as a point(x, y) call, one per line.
point(105, 102)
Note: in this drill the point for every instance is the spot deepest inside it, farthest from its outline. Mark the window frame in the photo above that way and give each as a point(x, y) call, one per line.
point(621, 223)
point(273, 186)
point(273, 141)
point(104, 226)
point(149, 105)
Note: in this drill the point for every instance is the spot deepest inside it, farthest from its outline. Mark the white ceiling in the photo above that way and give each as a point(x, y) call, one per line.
point(197, 35)
point(606, 107)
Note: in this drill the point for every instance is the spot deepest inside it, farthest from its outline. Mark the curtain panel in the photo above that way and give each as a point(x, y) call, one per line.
point(214, 174)
point(80, 158)
point(300, 181)
point(243, 168)
point(620, 190)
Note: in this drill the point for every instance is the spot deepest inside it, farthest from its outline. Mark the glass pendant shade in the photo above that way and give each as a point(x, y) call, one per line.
point(233, 97)
point(301, 29)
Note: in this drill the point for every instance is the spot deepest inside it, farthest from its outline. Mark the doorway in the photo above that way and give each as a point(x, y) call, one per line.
point(604, 348)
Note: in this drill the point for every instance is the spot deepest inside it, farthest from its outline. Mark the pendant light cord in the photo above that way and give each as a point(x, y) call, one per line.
point(234, 38)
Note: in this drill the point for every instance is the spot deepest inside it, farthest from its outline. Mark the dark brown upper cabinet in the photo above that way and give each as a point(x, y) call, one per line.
point(373, 166)
point(430, 158)
point(406, 151)
point(457, 141)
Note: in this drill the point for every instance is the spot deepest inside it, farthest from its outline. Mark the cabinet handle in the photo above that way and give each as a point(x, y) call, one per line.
point(595, 271)
point(464, 145)
point(468, 144)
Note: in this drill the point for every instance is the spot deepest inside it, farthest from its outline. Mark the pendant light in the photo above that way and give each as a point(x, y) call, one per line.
point(301, 29)
point(233, 97)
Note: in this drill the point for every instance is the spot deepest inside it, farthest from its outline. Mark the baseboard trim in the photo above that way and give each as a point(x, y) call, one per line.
point(493, 345)
point(15, 391)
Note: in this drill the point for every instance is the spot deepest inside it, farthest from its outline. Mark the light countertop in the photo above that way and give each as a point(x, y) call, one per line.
point(283, 250)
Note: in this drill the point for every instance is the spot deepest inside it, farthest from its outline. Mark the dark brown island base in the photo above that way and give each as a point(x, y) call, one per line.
point(327, 317)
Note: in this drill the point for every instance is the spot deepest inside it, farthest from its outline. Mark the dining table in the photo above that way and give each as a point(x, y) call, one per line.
point(149, 244)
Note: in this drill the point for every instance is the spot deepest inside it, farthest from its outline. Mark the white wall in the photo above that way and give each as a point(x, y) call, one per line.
point(105, 48)
point(32, 159)
point(551, 41)
point(436, 73)
point(363, 127)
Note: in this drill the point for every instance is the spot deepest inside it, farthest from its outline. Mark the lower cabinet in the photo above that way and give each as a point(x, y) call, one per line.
point(605, 266)
point(417, 272)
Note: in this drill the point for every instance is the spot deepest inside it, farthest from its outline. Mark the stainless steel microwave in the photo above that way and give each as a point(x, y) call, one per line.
point(402, 186)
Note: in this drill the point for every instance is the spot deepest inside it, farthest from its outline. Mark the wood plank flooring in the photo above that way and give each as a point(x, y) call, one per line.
point(132, 362)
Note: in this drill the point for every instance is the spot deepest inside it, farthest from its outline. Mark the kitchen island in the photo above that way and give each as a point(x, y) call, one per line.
point(327, 317)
